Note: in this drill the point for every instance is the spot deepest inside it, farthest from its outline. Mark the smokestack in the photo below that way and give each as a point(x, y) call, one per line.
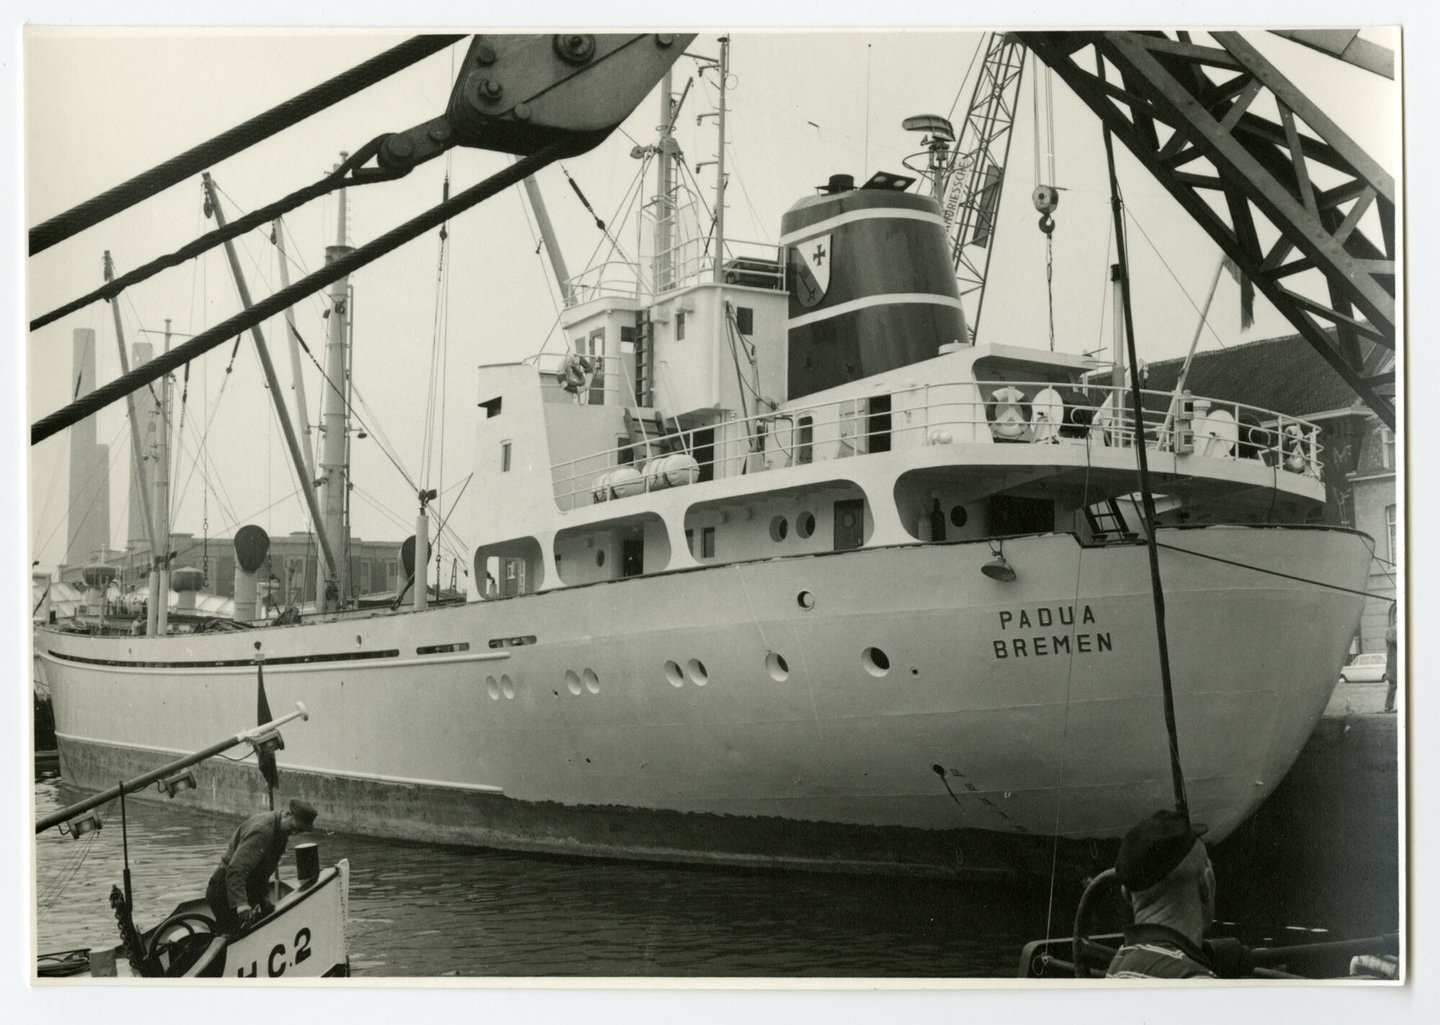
point(88, 520)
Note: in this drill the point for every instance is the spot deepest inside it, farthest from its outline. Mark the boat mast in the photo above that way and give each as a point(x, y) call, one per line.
point(262, 350)
point(720, 168)
point(665, 186)
point(161, 605)
point(139, 477)
point(334, 418)
point(302, 412)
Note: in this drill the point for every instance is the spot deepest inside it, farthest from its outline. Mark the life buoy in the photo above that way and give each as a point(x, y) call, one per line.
point(576, 373)
point(1293, 447)
point(1009, 413)
point(1049, 416)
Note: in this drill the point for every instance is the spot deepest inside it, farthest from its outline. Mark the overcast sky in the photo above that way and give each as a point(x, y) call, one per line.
point(103, 106)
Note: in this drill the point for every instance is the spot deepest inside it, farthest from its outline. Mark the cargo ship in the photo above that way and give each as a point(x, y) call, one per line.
point(777, 566)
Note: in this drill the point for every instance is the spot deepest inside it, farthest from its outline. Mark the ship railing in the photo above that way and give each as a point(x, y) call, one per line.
point(950, 413)
point(745, 262)
point(610, 279)
point(592, 380)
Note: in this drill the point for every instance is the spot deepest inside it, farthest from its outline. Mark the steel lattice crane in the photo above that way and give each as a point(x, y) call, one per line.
point(967, 179)
point(1285, 205)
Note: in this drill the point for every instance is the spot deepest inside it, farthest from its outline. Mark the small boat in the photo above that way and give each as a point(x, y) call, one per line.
point(302, 935)
point(1086, 955)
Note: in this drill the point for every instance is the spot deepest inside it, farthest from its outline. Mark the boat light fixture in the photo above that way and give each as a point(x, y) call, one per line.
point(79, 827)
point(268, 743)
point(177, 784)
point(997, 568)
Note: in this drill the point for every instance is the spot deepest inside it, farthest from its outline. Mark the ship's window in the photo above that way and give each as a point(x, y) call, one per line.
point(804, 439)
point(600, 557)
point(744, 320)
point(958, 516)
point(779, 529)
point(805, 524)
point(504, 457)
point(491, 407)
point(679, 325)
point(707, 542)
point(690, 541)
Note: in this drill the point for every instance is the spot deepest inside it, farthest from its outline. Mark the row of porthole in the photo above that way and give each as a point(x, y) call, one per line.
point(875, 661)
point(576, 682)
point(780, 526)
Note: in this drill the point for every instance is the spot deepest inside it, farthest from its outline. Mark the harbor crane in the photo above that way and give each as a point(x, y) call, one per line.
point(1286, 206)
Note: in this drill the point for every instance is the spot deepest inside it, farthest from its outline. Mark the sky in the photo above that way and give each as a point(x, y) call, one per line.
point(106, 105)
point(121, 113)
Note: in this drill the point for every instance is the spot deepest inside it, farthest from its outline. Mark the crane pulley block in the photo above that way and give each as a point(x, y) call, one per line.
point(517, 93)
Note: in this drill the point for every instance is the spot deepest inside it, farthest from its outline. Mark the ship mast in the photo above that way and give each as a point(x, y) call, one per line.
point(720, 166)
point(307, 487)
point(334, 421)
point(140, 480)
point(665, 188)
point(159, 613)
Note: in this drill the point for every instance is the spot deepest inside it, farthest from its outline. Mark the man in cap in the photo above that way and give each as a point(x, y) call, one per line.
point(1165, 871)
point(240, 883)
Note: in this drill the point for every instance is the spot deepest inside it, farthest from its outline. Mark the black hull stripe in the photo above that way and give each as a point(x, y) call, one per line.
point(284, 660)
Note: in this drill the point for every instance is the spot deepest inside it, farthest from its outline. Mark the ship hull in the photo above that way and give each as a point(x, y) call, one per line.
point(887, 709)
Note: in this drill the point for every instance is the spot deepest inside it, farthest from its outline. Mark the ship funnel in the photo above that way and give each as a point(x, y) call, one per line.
point(872, 287)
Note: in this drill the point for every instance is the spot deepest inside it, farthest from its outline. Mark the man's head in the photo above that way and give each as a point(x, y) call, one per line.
point(298, 816)
point(1166, 871)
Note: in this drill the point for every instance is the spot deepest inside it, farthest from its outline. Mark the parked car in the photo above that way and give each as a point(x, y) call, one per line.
point(1365, 668)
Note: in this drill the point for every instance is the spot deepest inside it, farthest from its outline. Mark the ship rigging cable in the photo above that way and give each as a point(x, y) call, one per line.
point(1147, 497)
point(333, 181)
point(236, 140)
point(271, 305)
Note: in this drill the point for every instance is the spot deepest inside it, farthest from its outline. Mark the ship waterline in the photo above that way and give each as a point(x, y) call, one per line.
point(882, 709)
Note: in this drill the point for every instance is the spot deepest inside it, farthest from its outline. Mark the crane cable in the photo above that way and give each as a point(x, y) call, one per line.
point(1045, 195)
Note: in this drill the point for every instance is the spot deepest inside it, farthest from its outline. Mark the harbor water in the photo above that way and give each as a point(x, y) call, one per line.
point(418, 910)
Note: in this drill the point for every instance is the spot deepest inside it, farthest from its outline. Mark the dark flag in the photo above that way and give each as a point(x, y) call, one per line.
point(262, 716)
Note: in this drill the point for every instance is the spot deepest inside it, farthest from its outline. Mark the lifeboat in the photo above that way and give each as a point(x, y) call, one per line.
point(617, 482)
point(671, 470)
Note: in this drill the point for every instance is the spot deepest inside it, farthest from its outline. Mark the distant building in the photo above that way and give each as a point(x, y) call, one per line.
point(1288, 376)
point(288, 575)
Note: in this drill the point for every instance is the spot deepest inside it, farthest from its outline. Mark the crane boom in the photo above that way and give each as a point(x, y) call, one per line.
point(978, 168)
point(1188, 112)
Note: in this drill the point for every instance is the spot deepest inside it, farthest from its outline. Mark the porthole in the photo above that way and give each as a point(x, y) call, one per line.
point(695, 669)
point(805, 524)
point(674, 675)
point(572, 681)
point(592, 681)
point(777, 667)
point(805, 600)
point(492, 688)
point(779, 529)
point(507, 686)
point(600, 557)
point(875, 661)
point(958, 515)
